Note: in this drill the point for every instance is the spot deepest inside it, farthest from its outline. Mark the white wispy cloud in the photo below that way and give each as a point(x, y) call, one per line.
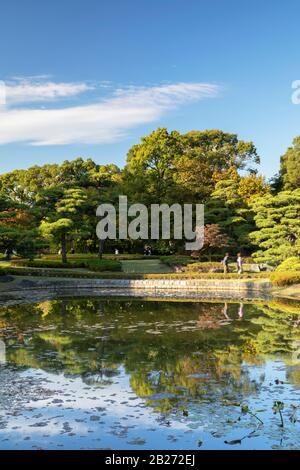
point(38, 89)
point(102, 122)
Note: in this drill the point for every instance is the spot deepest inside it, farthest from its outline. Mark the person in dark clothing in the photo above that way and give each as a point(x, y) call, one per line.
point(225, 263)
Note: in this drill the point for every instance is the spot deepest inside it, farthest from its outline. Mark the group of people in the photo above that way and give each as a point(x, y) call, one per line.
point(239, 262)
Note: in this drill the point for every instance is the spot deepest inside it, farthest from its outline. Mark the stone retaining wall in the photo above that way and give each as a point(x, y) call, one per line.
point(31, 291)
point(151, 284)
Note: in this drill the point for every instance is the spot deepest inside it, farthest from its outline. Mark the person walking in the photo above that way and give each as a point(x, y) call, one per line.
point(225, 263)
point(239, 262)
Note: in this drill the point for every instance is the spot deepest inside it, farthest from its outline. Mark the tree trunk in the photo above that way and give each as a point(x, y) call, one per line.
point(101, 248)
point(64, 249)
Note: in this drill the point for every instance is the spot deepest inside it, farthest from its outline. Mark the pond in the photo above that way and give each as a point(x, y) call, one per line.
point(95, 373)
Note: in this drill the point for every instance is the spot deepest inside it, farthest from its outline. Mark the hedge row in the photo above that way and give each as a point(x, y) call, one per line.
point(83, 257)
point(197, 275)
point(278, 279)
point(46, 264)
point(63, 273)
point(281, 279)
point(178, 260)
point(92, 264)
point(290, 264)
point(20, 271)
point(203, 267)
point(194, 263)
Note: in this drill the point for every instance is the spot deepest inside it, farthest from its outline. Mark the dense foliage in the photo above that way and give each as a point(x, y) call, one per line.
point(277, 219)
point(52, 208)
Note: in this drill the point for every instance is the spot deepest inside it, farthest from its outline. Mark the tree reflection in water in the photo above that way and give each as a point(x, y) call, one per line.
point(177, 354)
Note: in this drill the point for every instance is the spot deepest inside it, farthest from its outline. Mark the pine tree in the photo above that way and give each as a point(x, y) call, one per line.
point(277, 219)
point(67, 216)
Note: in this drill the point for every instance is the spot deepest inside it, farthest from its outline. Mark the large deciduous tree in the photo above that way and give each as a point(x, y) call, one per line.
point(17, 229)
point(207, 156)
point(171, 167)
point(290, 166)
point(150, 169)
point(40, 188)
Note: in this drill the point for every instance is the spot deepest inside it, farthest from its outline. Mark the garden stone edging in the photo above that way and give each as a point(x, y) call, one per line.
point(30, 291)
point(151, 284)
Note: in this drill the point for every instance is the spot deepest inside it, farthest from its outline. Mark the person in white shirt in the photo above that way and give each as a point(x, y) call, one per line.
point(239, 262)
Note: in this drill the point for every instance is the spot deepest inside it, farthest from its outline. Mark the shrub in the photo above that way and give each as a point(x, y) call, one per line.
point(75, 256)
point(22, 271)
point(63, 273)
point(86, 256)
point(204, 267)
point(92, 264)
point(197, 275)
point(179, 260)
point(217, 257)
point(46, 264)
point(103, 265)
point(281, 279)
point(290, 264)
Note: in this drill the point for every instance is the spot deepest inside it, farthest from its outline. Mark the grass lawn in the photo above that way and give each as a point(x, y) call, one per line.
point(145, 266)
point(130, 266)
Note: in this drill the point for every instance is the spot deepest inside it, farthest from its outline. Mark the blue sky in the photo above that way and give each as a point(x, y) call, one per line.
point(90, 77)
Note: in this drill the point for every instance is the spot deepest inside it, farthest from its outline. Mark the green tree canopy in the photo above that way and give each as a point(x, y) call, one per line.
point(169, 166)
point(41, 190)
point(290, 166)
point(17, 230)
point(230, 206)
point(26, 185)
point(66, 216)
point(277, 220)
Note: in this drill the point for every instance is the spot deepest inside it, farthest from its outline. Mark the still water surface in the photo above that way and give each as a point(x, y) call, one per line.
point(127, 374)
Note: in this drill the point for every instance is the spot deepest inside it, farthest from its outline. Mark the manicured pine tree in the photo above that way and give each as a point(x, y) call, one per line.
point(66, 218)
point(277, 220)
